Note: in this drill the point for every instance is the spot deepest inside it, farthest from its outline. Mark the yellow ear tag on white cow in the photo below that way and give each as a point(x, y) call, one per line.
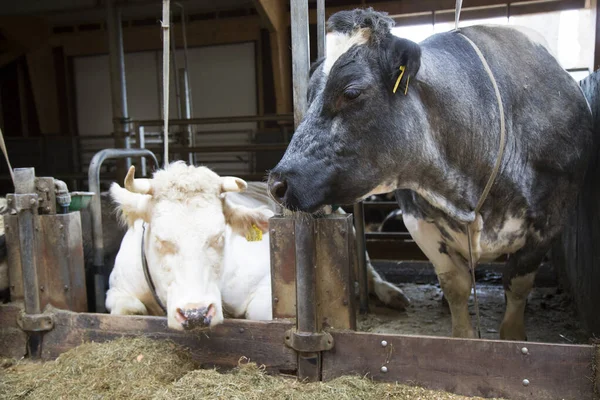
point(254, 234)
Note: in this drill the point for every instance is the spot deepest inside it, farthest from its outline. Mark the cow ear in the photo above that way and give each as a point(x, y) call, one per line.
point(131, 206)
point(242, 219)
point(403, 59)
point(232, 184)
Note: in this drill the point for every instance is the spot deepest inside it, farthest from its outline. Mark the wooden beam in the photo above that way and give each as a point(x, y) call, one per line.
point(486, 368)
point(260, 341)
point(275, 17)
point(13, 341)
point(144, 38)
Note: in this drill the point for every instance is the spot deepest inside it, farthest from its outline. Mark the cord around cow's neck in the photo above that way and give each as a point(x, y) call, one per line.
point(147, 273)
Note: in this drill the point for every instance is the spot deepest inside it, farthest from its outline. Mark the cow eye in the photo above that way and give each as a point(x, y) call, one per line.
point(351, 94)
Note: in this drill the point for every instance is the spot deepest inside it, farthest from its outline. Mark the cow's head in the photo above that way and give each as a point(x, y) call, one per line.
point(347, 145)
point(186, 211)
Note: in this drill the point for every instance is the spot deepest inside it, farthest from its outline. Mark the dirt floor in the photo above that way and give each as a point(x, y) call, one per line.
point(549, 316)
point(142, 368)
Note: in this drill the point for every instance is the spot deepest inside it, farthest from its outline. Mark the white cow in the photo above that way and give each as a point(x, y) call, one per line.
point(197, 253)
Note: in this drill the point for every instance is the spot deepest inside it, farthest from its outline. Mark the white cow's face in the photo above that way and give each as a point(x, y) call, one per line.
point(186, 215)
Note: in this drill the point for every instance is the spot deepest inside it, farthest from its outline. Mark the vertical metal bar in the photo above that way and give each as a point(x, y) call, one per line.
point(166, 24)
point(117, 80)
point(309, 364)
point(178, 99)
point(184, 91)
point(320, 28)
point(142, 145)
point(359, 218)
point(300, 57)
point(25, 186)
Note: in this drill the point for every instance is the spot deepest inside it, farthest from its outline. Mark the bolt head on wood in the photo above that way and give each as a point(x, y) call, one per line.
point(524, 350)
point(525, 382)
point(384, 369)
point(384, 343)
point(32, 201)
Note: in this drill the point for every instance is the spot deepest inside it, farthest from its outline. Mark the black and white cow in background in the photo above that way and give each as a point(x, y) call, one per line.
point(437, 145)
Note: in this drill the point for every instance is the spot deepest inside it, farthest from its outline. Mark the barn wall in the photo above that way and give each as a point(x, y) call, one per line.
point(223, 83)
point(577, 253)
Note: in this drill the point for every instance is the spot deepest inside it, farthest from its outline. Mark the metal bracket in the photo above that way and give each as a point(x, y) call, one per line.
point(35, 322)
point(22, 202)
point(308, 342)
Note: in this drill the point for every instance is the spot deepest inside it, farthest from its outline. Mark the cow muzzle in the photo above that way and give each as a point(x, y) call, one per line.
point(193, 316)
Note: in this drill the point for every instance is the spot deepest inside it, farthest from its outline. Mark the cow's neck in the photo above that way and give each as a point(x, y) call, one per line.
point(449, 162)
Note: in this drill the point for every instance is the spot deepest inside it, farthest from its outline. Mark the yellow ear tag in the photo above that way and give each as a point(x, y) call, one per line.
point(402, 68)
point(254, 234)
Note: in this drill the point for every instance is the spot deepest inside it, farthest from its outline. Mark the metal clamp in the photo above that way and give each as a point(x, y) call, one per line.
point(308, 342)
point(35, 322)
point(22, 202)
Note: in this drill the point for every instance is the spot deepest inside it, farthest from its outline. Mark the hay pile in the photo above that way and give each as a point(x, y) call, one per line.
point(146, 369)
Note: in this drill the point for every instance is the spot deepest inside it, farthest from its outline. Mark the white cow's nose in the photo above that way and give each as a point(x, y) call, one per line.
point(193, 316)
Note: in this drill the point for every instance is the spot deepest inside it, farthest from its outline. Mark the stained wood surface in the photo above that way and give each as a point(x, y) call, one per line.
point(335, 278)
point(484, 368)
point(283, 266)
point(13, 340)
point(260, 341)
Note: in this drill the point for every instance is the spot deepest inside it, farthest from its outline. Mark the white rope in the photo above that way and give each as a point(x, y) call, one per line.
point(166, 47)
point(457, 13)
point(3, 146)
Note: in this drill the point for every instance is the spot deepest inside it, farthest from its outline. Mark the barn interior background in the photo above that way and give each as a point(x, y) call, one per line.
point(63, 98)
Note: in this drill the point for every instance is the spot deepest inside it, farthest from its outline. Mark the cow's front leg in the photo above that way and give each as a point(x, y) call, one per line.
point(454, 278)
point(518, 281)
point(119, 302)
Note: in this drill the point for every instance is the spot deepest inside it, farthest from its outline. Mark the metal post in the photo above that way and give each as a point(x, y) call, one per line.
point(309, 364)
point(361, 251)
point(178, 92)
point(141, 139)
point(117, 80)
point(100, 278)
point(320, 28)
point(25, 203)
point(185, 106)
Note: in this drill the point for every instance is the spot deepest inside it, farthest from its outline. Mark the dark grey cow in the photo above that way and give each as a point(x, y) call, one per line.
point(437, 144)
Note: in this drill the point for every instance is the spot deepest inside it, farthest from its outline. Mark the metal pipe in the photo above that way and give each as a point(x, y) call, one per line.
point(219, 120)
point(320, 28)
point(166, 24)
point(178, 99)
point(361, 251)
point(309, 364)
point(118, 83)
point(185, 55)
point(184, 89)
point(141, 142)
point(100, 280)
point(225, 148)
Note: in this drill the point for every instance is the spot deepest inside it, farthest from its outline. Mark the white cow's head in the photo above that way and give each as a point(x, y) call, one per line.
point(186, 211)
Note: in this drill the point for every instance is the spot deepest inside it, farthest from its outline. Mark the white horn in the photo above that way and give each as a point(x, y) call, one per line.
point(232, 184)
point(142, 186)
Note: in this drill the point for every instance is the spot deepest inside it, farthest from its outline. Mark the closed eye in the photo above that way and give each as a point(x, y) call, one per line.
point(352, 93)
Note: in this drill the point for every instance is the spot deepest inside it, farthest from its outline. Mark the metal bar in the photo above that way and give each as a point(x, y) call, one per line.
point(25, 202)
point(117, 80)
point(309, 364)
point(300, 57)
point(166, 24)
point(141, 142)
point(320, 28)
point(185, 56)
point(359, 218)
point(219, 120)
point(224, 149)
point(96, 212)
point(178, 99)
point(184, 91)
